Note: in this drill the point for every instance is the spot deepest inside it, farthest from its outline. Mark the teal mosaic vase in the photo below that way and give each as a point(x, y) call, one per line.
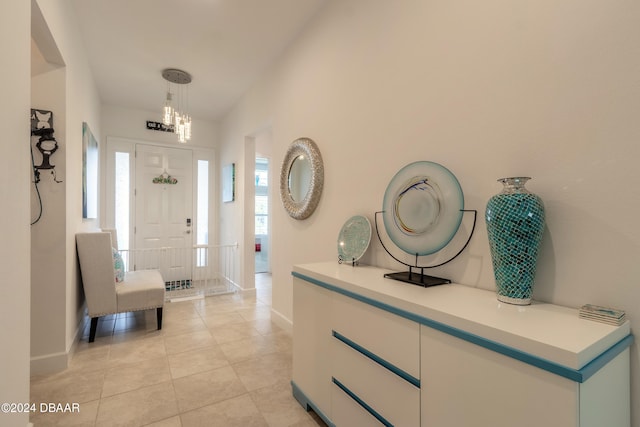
point(515, 223)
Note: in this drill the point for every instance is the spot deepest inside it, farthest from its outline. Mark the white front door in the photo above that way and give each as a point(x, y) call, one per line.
point(164, 204)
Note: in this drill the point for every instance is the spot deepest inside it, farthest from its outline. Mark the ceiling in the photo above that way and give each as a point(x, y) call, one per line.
point(224, 44)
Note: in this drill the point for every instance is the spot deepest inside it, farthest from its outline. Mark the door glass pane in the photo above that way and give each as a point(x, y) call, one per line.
point(262, 196)
point(262, 210)
point(202, 228)
point(262, 215)
point(122, 186)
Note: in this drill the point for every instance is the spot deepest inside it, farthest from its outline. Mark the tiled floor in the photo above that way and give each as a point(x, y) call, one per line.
point(216, 362)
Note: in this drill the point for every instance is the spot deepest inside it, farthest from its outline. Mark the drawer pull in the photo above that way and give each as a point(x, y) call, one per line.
point(360, 402)
point(399, 372)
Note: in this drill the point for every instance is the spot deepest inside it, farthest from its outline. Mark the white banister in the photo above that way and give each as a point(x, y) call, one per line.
point(197, 271)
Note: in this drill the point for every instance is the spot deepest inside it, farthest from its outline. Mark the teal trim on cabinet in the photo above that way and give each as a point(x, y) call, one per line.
point(599, 362)
point(307, 404)
point(577, 375)
point(362, 403)
point(380, 361)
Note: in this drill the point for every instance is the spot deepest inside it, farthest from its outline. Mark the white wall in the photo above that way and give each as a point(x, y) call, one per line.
point(488, 89)
point(48, 234)
point(80, 104)
point(14, 193)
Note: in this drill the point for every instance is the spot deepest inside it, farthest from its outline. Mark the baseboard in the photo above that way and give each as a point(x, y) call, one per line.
point(248, 291)
point(49, 363)
point(84, 321)
point(236, 286)
point(281, 321)
point(57, 362)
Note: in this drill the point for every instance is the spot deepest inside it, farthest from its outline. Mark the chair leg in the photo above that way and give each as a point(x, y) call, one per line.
point(159, 315)
point(94, 327)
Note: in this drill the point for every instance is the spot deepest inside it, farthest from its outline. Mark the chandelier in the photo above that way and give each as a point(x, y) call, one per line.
point(176, 115)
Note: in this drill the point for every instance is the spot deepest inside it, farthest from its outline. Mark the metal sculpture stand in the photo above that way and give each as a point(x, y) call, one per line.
point(353, 261)
point(419, 278)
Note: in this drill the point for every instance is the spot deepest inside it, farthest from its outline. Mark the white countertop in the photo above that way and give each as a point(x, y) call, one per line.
point(543, 330)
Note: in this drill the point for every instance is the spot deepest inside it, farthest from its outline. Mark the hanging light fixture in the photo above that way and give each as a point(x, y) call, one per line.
point(167, 111)
point(177, 115)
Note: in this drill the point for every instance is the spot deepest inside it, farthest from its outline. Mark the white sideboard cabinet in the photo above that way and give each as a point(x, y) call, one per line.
point(371, 351)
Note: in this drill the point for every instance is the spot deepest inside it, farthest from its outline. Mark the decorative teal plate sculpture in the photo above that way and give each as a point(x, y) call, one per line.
point(422, 208)
point(354, 239)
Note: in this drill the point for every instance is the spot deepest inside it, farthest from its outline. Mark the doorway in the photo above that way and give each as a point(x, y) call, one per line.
point(262, 244)
point(158, 196)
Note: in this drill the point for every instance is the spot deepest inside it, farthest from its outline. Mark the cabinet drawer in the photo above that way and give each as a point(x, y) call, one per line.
point(393, 338)
point(391, 396)
point(347, 412)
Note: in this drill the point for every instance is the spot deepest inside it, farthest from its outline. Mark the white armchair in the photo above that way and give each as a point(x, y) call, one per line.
point(140, 290)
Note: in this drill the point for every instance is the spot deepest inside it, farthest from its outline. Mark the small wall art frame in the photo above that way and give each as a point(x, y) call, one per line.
point(90, 162)
point(229, 183)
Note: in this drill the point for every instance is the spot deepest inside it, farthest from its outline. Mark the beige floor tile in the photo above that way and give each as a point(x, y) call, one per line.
point(181, 309)
point(188, 341)
point(206, 388)
point(312, 422)
point(168, 422)
point(88, 356)
point(283, 341)
point(176, 326)
point(132, 376)
point(138, 407)
point(217, 305)
point(279, 407)
point(68, 387)
point(248, 348)
point(137, 350)
point(220, 300)
point(236, 412)
point(85, 417)
point(265, 371)
point(120, 336)
point(222, 319)
point(194, 361)
point(255, 312)
point(233, 332)
point(264, 297)
point(227, 303)
point(181, 376)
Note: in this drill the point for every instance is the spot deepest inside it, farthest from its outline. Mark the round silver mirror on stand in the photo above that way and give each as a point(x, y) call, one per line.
point(301, 178)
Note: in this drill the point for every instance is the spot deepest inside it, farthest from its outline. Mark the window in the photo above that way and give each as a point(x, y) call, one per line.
point(262, 209)
point(262, 197)
point(122, 198)
point(202, 226)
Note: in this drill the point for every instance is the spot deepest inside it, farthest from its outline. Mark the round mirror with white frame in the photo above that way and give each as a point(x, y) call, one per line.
point(301, 178)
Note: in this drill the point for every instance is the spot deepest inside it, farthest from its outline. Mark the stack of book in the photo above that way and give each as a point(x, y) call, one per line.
point(607, 315)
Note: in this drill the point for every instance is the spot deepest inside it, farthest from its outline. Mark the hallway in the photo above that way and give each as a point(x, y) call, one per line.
point(217, 361)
